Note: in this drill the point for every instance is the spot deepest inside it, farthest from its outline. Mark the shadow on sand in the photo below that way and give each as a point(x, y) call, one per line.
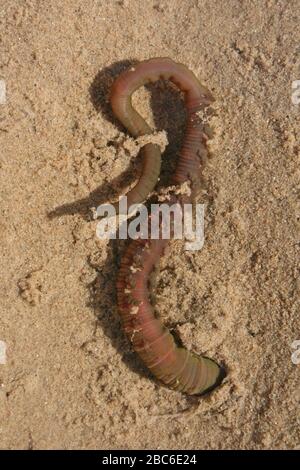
point(169, 115)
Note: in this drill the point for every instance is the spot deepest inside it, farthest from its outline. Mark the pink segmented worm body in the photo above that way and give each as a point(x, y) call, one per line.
point(174, 365)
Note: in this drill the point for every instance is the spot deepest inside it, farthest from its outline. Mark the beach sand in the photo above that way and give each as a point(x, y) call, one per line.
point(70, 378)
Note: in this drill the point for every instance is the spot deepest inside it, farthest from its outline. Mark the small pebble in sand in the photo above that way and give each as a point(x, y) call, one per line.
point(2, 92)
point(2, 352)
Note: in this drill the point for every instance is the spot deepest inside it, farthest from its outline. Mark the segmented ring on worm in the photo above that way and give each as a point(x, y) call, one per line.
point(173, 365)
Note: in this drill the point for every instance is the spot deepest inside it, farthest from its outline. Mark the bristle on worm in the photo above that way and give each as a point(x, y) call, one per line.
point(173, 365)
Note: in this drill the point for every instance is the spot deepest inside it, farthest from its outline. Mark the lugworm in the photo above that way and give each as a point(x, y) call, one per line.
point(172, 364)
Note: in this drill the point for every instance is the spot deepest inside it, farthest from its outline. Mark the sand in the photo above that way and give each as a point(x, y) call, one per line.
point(70, 378)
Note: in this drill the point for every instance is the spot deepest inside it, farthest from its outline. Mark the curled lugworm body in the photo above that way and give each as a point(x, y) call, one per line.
point(171, 363)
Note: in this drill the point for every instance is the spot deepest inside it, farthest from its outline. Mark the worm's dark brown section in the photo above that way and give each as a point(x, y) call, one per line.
point(197, 97)
point(175, 366)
